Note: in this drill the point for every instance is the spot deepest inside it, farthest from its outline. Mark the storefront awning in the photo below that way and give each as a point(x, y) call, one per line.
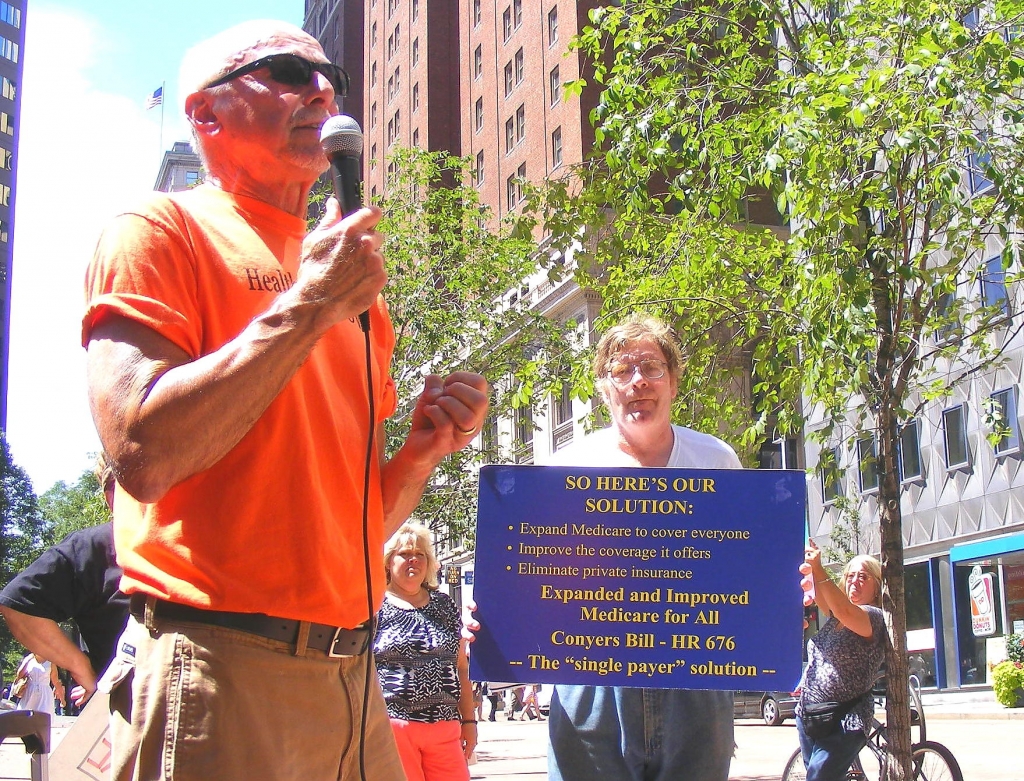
point(986, 549)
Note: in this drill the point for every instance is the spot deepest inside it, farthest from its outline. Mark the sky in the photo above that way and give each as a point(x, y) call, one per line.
point(87, 149)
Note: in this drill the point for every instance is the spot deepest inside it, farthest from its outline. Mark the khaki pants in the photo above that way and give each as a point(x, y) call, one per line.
point(205, 703)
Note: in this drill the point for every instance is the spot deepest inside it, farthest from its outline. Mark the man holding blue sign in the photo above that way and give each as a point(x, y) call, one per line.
point(613, 732)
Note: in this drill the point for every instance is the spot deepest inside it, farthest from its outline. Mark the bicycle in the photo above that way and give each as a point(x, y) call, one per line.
point(932, 761)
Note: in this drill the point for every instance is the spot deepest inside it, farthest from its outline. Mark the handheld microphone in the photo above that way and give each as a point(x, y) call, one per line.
point(342, 141)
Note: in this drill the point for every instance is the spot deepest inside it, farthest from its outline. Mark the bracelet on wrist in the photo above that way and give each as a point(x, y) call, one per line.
point(468, 721)
point(824, 580)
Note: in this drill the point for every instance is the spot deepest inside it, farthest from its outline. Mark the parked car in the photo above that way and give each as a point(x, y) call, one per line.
point(773, 707)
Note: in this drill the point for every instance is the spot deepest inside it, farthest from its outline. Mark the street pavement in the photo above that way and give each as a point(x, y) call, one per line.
point(987, 740)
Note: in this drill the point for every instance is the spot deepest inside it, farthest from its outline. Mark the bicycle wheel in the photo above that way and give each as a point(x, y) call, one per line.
point(795, 768)
point(935, 762)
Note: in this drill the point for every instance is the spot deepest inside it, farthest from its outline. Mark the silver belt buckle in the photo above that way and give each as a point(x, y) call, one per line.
point(333, 651)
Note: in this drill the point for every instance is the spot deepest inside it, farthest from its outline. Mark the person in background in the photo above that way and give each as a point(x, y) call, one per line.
point(843, 660)
point(241, 403)
point(43, 686)
point(75, 580)
point(422, 664)
point(628, 734)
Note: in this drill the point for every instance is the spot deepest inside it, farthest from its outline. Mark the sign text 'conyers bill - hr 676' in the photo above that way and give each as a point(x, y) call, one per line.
point(667, 578)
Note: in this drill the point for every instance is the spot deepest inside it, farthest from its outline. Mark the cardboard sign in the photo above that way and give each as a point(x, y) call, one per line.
point(663, 578)
point(84, 753)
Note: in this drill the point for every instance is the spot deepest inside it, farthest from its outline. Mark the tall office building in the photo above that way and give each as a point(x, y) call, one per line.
point(12, 43)
point(338, 26)
point(411, 68)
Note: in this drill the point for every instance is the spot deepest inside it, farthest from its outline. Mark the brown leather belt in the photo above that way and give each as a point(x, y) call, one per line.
point(335, 641)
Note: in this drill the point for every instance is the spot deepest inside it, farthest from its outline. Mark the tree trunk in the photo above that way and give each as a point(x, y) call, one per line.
point(893, 603)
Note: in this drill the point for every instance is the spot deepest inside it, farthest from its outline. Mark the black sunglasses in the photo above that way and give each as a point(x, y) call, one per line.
point(292, 71)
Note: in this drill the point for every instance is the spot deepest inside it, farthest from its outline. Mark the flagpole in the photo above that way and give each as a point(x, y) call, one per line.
point(163, 85)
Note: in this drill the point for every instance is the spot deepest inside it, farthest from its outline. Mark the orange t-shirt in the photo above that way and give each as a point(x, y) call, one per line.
point(276, 525)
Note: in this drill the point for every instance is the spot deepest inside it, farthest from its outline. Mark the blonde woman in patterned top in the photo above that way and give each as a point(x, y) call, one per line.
point(422, 664)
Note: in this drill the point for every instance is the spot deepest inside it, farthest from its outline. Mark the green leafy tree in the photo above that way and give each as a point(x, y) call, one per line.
point(890, 142)
point(22, 535)
point(451, 266)
point(68, 508)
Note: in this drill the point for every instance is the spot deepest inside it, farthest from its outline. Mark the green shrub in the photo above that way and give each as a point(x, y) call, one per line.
point(1015, 648)
point(1007, 681)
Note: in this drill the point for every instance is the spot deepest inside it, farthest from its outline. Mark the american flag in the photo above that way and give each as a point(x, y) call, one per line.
point(156, 98)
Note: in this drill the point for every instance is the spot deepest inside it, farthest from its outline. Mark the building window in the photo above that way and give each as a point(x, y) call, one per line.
point(5, 231)
point(977, 159)
point(947, 313)
point(416, 97)
point(191, 178)
point(867, 464)
point(416, 137)
point(391, 88)
point(478, 172)
point(510, 134)
point(993, 286)
point(552, 26)
point(10, 14)
point(520, 66)
point(556, 147)
point(508, 79)
point(829, 468)
point(392, 7)
point(520, 123)
point(415, 51)
point(373, 35)
point(10, 91)
point(506, 23)
point(489, 436)
point(477, 14)
point(517, 12)
point(415, 10)
point(523, 435)
point(1003, 408)
point(8, 49)
point(373, 74)
point(954, 430)
point(479, 114)
point(373, 156)
point(511, 192)
point(910, 452)
point(478, 62)
point(6, 123)
point(373, 114)
point(555, 85)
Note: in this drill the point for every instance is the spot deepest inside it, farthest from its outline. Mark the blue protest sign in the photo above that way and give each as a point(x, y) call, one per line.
point(664, 578)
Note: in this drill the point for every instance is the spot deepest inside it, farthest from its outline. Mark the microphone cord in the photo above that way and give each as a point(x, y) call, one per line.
point(364, 325)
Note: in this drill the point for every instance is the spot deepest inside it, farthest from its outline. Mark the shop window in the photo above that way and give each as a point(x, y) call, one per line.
point(954, 430)
point(978, 597)
point(867, 464)
point(920, 624)
point(910, 452)
point(1004, 417)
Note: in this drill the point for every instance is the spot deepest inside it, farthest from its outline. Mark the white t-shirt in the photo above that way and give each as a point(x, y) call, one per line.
point(691, 449)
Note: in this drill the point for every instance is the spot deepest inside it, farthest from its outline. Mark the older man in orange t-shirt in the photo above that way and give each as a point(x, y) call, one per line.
point(228, 381)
